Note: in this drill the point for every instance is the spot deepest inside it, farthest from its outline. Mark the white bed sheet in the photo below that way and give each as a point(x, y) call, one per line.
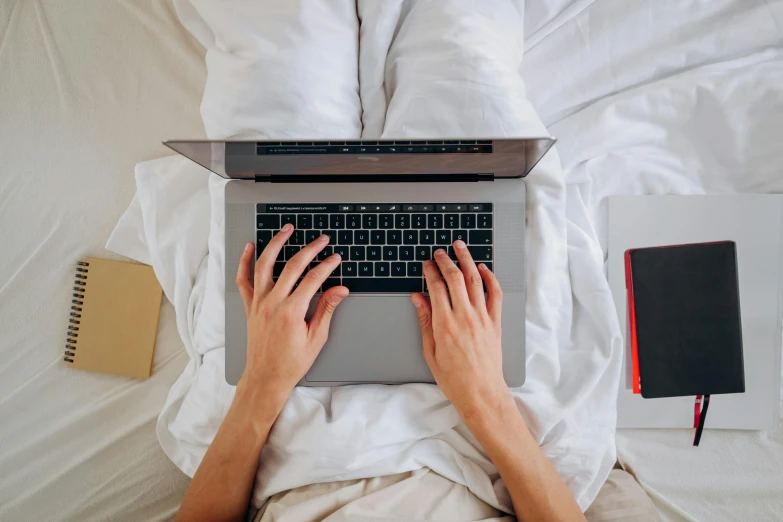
point(669, 97)
point(87, 89)
point(74, 118)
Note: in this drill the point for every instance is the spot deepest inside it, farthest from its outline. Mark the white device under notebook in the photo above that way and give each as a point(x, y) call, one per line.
point(755, 224)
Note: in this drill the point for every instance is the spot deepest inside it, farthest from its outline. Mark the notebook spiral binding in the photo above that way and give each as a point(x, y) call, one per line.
point(76, 307)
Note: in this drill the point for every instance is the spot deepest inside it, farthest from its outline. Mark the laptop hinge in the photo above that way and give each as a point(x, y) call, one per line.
point(373, 178)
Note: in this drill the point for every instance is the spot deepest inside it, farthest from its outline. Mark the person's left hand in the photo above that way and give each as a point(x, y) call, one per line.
point(281, 345)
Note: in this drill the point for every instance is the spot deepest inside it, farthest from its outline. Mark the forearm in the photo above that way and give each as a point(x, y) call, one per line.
point(537, 491)
point(221, 487)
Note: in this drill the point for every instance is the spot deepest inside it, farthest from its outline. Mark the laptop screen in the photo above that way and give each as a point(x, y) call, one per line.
point(501, 158)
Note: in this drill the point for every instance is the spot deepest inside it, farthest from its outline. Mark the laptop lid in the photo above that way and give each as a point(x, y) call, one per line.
point(367, 160)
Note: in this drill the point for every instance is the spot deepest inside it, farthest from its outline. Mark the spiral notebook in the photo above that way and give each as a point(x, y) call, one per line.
point(114, 318)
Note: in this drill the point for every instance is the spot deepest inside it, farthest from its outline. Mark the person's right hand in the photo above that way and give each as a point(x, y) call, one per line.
point(461, 332)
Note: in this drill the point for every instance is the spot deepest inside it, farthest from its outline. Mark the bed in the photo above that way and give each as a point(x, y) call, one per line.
point(79, 86)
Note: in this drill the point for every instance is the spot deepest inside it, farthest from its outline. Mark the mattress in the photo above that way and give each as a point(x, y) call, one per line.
point(87, 90)
point(634, 91)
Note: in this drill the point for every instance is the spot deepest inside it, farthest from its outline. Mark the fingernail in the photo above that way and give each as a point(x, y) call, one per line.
point(323, 237)
point(416, 302)
point(336, 256)
point(248, 247)
point(482, 266)
point(459, 244)
point(287, 227)
point(440, 252)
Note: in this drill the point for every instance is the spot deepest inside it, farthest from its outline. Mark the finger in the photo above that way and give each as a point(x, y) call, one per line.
point(473, 281)
point(322, 318)
point(494, 293)
point(266, 261)
point(296, 266)
point(314, 279)
point(424, 311)
point(436, 286)
point(244, 283)
point(454, 279)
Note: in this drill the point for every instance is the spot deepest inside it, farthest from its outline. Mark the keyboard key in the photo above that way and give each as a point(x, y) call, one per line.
point(350, 269)
point(407, 253)
point(452, 254)
point(378, 237)
point(480, 237)
point(427, 237)
point(337, 221)
point(336, 271)
point(480, 253)
point(323, 254)
point(390, 253)
point(330, 283)
point(268, 221)
point(402, 221)
point(345, 208)
point(343, 250)
point(403, 285)
point(297, 238)
point(415, 269)
point(394, 237)
point(291, 251)
point(277, 269)
point(321, 221)
point(468, 220)
point(381, 269)
point(459, 234)
point(419, 220)
point(485, 220)
point(462, 207)
point(304, 221)
point(441, 207)
point(426, 208)
point(435, 221)
point(365, 270)
point(410, 208)
point(475, 207)
point(451, 221)
point(263, 237)
point(353, 221)
point(361, 237)
point(358, 253)
point(345, 237)
point(386, 221)
point(311, 235)
point(423, 253)
point(332, 235)
point(443, 237)
point(398, 269)
point(370, 221)
point(288, 218)
point(373, 253)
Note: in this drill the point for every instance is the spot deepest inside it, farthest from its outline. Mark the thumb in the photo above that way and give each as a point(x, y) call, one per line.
point(424, 311)
point(319, 323)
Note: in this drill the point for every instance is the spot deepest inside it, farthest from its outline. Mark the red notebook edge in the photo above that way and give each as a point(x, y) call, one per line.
point(635, 380)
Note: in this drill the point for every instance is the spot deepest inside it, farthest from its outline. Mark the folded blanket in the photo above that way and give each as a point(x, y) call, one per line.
point(425, 69)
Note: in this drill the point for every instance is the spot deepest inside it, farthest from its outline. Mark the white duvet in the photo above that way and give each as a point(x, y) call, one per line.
point(646, 97)
point(426, 69)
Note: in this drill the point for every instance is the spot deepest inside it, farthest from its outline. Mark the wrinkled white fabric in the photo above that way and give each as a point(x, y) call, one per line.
point(434, 71)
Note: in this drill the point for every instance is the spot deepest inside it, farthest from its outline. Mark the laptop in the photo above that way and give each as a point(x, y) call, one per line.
point(387, 206)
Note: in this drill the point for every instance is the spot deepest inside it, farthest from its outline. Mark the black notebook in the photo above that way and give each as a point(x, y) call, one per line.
point(686, 317)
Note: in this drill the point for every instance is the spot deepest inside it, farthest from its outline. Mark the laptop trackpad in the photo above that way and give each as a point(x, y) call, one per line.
point(372, 339)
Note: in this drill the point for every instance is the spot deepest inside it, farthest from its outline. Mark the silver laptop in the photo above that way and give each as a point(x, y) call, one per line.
point(387, 205)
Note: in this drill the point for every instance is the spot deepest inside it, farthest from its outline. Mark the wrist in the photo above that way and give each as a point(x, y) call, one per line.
point(261, 404)
point(495, 413)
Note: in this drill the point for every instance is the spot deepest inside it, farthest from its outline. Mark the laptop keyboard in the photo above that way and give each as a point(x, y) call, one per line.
point(383, 246)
